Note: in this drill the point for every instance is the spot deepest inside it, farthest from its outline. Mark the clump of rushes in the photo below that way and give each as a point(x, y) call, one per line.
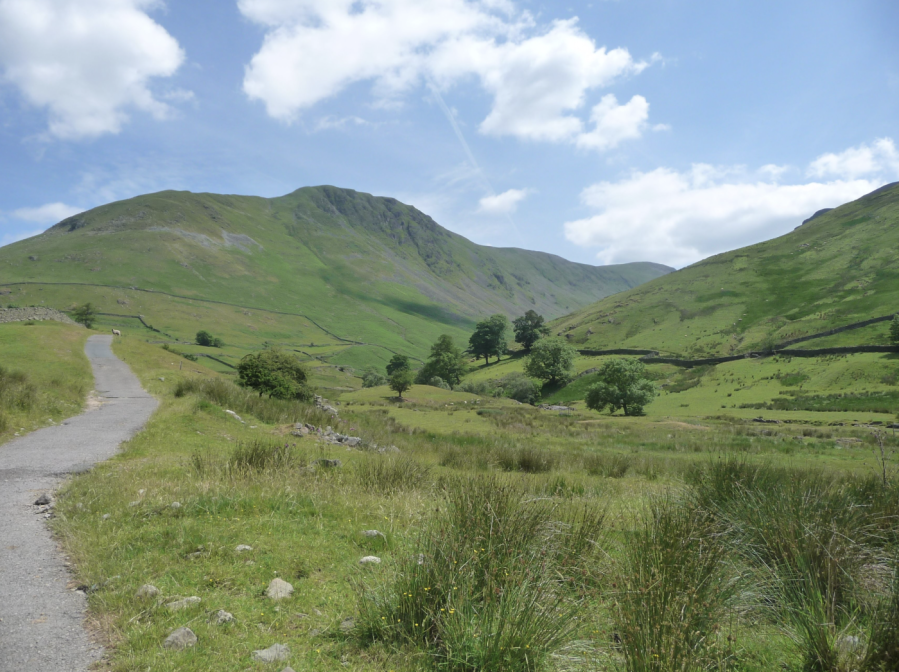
point(390, 475)
point(484, 587)
point(816, 543)
point(675, 590)
point(882, 653)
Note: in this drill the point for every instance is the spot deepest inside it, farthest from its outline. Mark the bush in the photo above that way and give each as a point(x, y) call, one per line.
point(437, 381)
point(276, 373)
point(206, 339)
point(519, 387)
point(371, 378)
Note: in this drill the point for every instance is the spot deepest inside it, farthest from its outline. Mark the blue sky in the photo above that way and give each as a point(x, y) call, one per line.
point(603, 131)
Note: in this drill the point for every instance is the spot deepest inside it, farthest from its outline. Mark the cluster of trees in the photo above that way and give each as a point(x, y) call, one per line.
point(206, 339)
point(491, 335)
point(444, 368)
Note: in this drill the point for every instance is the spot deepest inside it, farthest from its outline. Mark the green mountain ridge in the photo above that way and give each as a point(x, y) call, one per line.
point(366, 268)
point(838, 267)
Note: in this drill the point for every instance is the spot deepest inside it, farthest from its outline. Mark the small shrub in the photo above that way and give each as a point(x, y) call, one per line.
point(371, 378)
point(437, 381)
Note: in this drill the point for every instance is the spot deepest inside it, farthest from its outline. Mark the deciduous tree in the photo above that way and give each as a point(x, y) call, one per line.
point(551, 360)
point(400, 381)
point(529, 329)
point(622, 384)
point(445, 361)
point(397, 363)
point(276, 373)
point(85, 315)
point(489, 337)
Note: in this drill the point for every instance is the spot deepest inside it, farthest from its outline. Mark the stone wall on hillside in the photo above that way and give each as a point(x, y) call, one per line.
point(33, 314)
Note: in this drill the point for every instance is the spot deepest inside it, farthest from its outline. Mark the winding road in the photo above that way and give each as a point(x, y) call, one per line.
point(41, 620)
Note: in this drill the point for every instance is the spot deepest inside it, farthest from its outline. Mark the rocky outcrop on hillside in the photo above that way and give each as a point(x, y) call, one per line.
point(33, 314)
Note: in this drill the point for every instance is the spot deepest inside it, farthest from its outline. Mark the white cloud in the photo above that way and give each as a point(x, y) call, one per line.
point(51, 213)
point(538, 80)
point(678, 218)
point(502, 204)
point(857, 161)
point(614, 123)
point(86, 61)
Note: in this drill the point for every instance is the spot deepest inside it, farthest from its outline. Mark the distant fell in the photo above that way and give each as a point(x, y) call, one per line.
point(838, 267)
point(370, 269)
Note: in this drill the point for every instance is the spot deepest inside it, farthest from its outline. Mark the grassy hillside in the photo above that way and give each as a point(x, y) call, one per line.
point(318, 267)
point(838, 267)
point(44, 375)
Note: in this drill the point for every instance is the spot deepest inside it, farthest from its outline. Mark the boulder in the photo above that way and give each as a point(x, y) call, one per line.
point(279, 589)
point(272, 654)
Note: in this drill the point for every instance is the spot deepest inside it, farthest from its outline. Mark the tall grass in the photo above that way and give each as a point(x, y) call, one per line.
point(484, 586)
point(815, 542)
point(675, 589)
point(229, 396)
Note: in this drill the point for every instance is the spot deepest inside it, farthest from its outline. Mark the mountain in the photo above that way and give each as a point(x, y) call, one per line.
point(350, 266)
point(838, 267)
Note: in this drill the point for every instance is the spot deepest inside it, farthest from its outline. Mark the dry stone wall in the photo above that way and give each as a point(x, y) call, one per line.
point(33, 315)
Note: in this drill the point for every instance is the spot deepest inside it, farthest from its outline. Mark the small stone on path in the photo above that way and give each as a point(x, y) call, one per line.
point(187, 602)
point(272, 654)
point(278, 589)
point(43, 500)
point(370, 560)
point(181, 638)
point(146, 591)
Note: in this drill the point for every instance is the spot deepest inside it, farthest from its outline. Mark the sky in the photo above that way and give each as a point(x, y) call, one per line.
point(604, 131)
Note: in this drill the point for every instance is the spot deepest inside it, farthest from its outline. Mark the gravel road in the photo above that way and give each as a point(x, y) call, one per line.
point(41, 618)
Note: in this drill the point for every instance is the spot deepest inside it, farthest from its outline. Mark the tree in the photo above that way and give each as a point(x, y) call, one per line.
point(489, 337)
point(894, 329)
point(551, 360)
point(622, 384)
point(276, 373)
point(446, 361)
point(371, 378)
point(397, 363)
point(400, 381)
point(85, 315)
point(529, 328)
point(207, 340)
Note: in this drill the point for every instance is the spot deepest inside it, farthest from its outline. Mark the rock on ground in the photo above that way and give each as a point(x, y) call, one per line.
point(147, 591)
point(187, 602)
point(221, 617)
point(279, 589)
point(370, 560)
point(272, 654)
point(181, 638)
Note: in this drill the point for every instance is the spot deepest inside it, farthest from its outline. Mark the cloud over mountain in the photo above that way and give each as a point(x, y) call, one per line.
point(538, 77)
point(679, 217)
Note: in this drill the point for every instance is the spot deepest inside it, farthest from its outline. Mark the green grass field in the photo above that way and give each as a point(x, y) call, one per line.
point(255, 484)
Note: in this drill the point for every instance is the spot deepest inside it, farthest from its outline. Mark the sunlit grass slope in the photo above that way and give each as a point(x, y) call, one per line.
point(44, 375)
point(322, 265)
point(839, 267)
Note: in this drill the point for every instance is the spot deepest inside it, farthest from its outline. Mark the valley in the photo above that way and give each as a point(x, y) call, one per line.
point(505, 535)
